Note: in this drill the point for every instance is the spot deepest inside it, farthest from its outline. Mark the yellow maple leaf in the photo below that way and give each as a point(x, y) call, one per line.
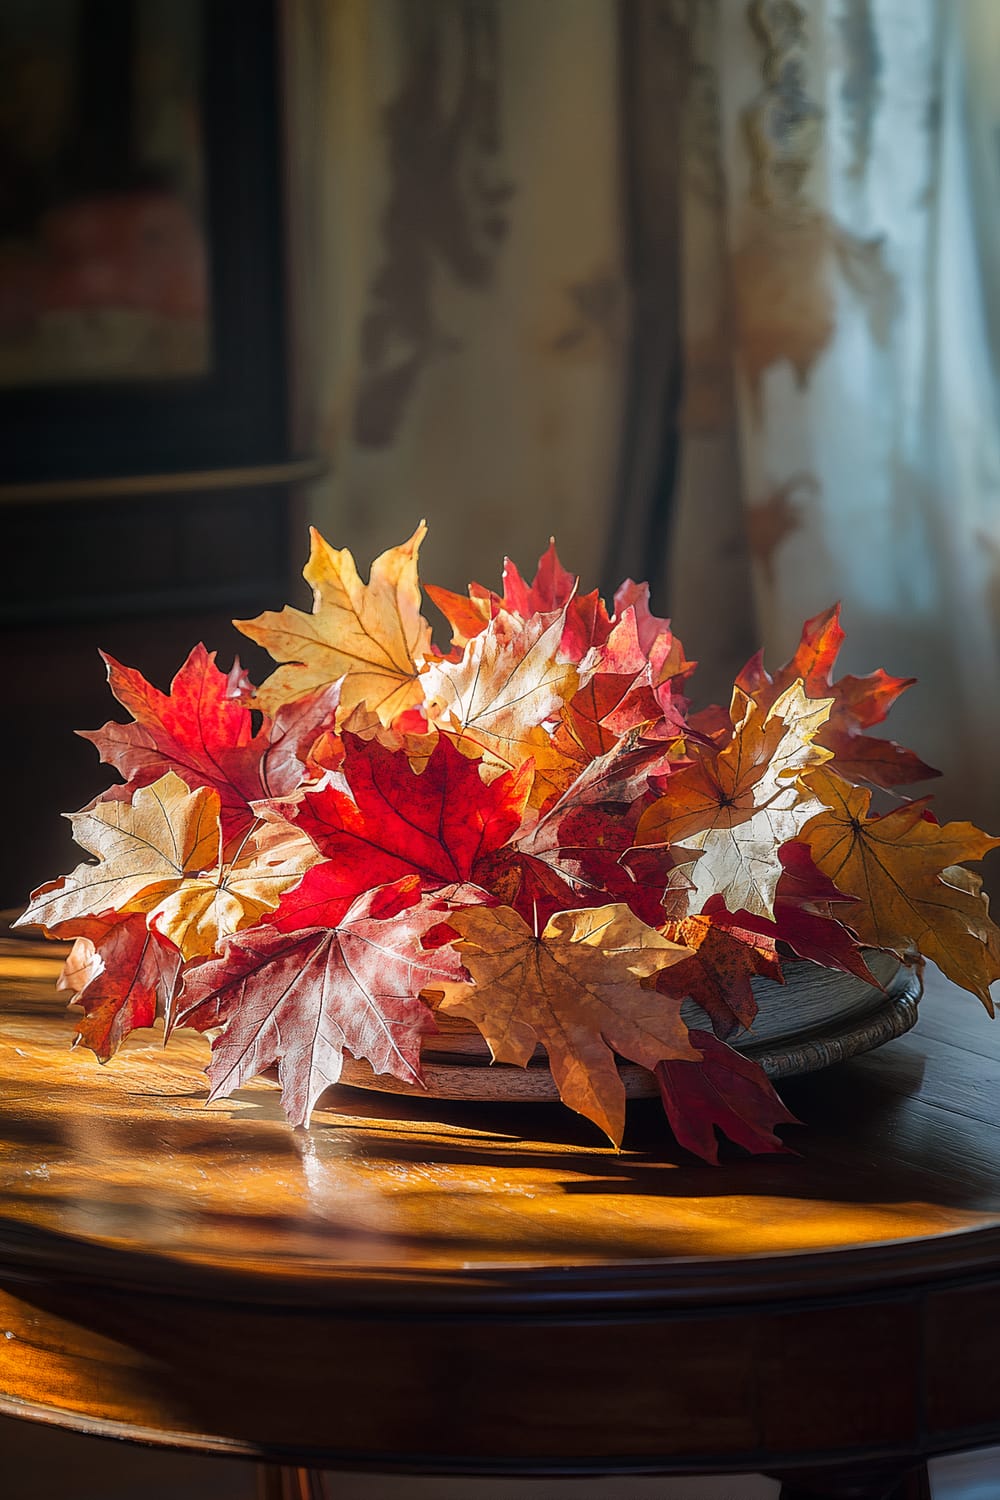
point(203, 909)
point(373, 635)
point(575, 990)
point(508, 682)
point(143, 848)
point(738, 805)
point(161, 855)
point(906, 872)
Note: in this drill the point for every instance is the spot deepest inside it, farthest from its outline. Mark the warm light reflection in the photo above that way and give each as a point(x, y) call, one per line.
point(30, 968)
point(127, 1155)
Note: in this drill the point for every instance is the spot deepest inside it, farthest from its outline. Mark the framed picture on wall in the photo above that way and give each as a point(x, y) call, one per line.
point(141, 326)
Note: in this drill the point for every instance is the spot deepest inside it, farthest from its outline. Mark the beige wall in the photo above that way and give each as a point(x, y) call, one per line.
point(458, 272)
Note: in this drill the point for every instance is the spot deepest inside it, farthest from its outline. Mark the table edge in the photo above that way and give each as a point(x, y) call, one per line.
point(210, 1446)
point(28, 1255)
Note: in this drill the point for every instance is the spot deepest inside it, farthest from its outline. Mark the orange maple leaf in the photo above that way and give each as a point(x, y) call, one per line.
point(575, 990)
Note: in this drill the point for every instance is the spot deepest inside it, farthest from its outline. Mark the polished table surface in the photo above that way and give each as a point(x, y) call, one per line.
point(422, 1285)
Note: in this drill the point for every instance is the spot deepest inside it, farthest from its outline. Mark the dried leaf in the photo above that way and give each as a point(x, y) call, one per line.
point(509, 681)
point(656, 639)
point(575, 990)
point(468, 615)
point(895, 865)
point(203, 909)
point(83, 963)
point(205, 734)
point(804, 916)
point(143, 850)
point(161, 855)
point(373, 635)
point(617, 696)
point(724, 957)
point(581, 850)
point(441, 825)
point(740, 804)
point(723, 1091)
point(858, 703)
point(129, 976)
point(553, 589)
point(298, 1000)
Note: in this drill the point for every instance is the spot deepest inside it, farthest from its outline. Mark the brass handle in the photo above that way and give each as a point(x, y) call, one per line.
point(293, 471)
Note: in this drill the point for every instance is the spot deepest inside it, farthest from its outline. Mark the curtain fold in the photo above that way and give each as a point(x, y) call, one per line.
point(844, 280)
point(654, 69)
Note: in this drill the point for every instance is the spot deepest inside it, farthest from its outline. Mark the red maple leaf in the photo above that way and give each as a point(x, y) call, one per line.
point(205, 734)
point(660, 646)
point(859, 703)
point(441, 825)
point(298, 1000)
point(620, 693)
point(604, 709)
point(130, 975)
point(551, 590)
point(717, 976)
point(723, 1091)
point(587, 625)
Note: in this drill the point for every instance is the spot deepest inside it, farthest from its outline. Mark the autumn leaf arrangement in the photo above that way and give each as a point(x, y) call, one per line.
point(532, 831)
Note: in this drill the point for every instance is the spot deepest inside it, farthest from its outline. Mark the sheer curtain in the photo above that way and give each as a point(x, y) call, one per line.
point(840, 349)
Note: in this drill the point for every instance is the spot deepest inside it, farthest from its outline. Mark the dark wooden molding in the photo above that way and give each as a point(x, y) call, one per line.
point(135, 486)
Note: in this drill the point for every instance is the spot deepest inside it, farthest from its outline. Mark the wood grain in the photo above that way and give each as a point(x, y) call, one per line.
point(433, 1286)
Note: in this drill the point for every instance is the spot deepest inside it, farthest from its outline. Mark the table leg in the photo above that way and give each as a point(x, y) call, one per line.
point(882, 1483)
point(278, 1482)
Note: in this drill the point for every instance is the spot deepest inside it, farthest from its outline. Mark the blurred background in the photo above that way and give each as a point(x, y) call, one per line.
point(708, 289)
point(705, 288)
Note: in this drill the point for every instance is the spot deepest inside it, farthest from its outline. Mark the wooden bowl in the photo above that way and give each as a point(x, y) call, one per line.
point(817, 1017)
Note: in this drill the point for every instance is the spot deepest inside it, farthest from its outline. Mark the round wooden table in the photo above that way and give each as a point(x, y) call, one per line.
point(435, 1288)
